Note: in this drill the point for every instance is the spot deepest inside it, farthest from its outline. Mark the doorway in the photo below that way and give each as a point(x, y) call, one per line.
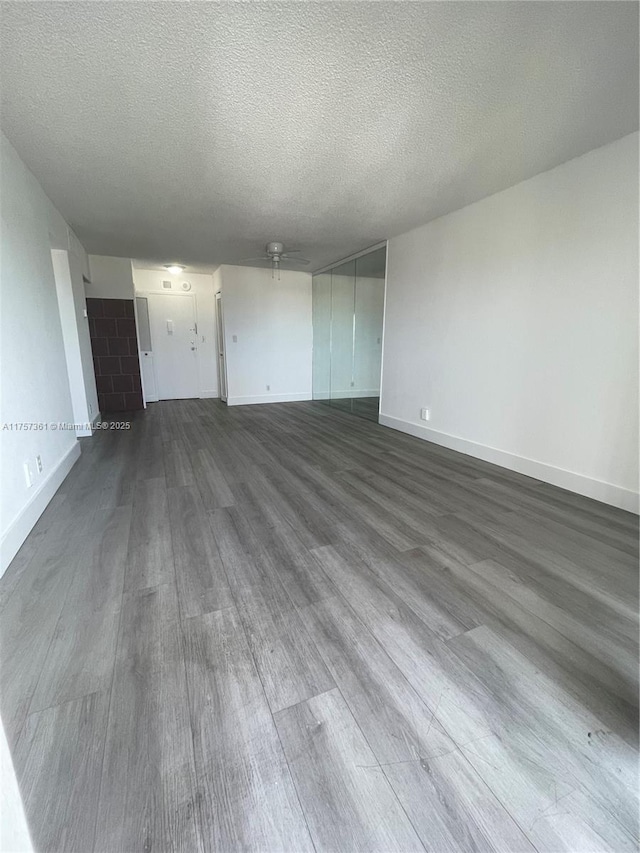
point(173, 329)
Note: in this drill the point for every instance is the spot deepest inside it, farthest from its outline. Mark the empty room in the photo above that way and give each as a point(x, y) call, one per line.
point(319, 426)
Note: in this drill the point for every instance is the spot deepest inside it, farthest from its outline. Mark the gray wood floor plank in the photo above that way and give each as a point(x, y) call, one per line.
point(403, 514)
point(227, 454)
point(290, 505)
point(415, 587)
point(590, 589)
point(617, 656)
point(451, 807)
point(602, 561)
point(580, 747)
point(177, 466)
point(248, 801)
point(148, 795)
point(122, 475)
point(478, 595)
point(397, 533)
point(424, 766)
point(286, 556)
point(82, 651)
point(394, 488)
point(28, 624)
point(536, 507)
point(506, 745)
point(30, 548)
point(150, 556)
point(276, 555)
point(347, 800)
point(58, 762)
point(394, 719)
point(200, 576)
point(289, 664)
point(150, 458)
point(214, 489)
point(558, 577)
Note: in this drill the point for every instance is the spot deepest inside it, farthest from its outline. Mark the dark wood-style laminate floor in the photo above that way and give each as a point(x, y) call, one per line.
point(362, 407)
point(282, 628)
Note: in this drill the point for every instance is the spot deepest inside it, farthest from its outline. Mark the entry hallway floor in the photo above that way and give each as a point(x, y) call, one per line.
point(284, 628)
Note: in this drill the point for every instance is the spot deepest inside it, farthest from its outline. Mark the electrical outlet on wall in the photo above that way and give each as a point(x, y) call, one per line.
point(268, 387)
point(39, 464)
point(28, 474)
point(425, 414)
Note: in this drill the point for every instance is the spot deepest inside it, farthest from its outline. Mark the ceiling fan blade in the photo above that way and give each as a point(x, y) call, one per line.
point(246, 260)
point(287, 260)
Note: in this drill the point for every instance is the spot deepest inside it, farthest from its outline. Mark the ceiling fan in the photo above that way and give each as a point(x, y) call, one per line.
point(276, 255)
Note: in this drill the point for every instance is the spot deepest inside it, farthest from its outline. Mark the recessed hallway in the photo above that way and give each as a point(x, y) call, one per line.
point(281, 628)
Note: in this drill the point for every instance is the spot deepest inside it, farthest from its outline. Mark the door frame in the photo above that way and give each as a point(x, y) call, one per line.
point(221, 350)
point(146, 294)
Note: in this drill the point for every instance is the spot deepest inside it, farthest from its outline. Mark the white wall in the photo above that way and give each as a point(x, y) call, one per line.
point(202, 288)
point(35, 386)
point(79, 269)
point(321, 320)
point(367, 351)
point(515, 321)
point(67, 269)
point(271, 323)
point(111, 278)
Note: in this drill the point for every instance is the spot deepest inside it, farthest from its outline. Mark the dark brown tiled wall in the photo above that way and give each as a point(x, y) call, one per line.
point(115, 354)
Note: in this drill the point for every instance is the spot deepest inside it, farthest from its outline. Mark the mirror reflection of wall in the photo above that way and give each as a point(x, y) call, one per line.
point(321, 314)
point(348, 306)
point(343, 282)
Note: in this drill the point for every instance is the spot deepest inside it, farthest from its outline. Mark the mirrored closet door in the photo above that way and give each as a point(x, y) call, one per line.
point(348, 306)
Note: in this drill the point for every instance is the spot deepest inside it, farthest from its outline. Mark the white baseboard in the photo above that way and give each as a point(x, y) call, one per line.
point(269, 398)
point(88, 428)
point(209, 395)
point(354, 392)
point(23, 523)
point(607, 493)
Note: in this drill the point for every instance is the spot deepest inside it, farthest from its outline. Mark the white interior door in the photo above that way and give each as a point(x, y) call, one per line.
point(172, 322)
point(222, 361)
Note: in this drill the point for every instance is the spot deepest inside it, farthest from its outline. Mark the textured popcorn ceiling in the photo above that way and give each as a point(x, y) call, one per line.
point(197, 131)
